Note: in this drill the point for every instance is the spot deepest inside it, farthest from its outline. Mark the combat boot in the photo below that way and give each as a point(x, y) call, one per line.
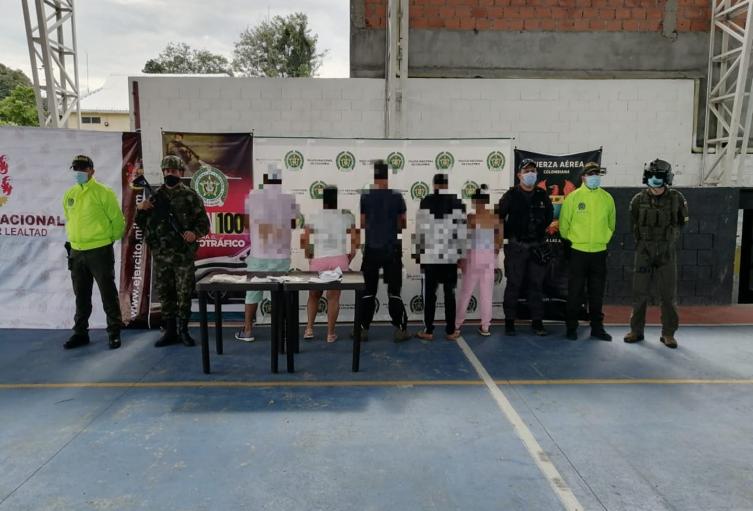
point(184, 334)
point(669, 341)
point(76, 340)
point(632, 337)
point(598, 332)
point(170, 336)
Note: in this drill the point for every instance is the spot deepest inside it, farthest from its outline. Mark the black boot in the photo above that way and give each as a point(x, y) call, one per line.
point(509, 327)
point(538, 328)
point(184, 334)
point(598, 332)
point(76, 340)
point(170, 336)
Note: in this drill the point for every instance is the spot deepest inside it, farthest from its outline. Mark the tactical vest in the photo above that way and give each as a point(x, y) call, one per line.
point(659, 217)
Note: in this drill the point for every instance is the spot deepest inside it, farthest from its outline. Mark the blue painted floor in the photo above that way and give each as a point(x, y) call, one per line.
point(629, 427)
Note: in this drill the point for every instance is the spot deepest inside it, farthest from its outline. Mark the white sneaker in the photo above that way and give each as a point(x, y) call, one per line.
point(242, 336)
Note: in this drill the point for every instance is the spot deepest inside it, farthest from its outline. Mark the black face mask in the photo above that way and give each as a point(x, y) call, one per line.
point(171, 180)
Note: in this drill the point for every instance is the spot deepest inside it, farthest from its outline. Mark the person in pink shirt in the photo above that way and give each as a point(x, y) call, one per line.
point(485, 233)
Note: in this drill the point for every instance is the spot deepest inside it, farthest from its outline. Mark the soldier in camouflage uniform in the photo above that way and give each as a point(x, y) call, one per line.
point(656, 216)
point(173, 221)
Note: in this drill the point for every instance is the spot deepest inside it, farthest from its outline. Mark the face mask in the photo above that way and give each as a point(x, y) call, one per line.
point(529, 178)
point(80, 177)
point(593, 182)
point(655, 182)
point(171, 180)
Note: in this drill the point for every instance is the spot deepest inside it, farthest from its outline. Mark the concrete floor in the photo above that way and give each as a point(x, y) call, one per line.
point(628, 427)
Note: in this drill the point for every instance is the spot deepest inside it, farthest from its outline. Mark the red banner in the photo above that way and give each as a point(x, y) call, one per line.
point(135, 267)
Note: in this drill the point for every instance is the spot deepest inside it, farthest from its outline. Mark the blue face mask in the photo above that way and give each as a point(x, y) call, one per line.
point(529, 178)
point(593, 182)
point(655, 182)
point(81, 177)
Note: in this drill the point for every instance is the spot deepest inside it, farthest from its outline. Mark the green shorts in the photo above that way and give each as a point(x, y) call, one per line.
point(255, 264)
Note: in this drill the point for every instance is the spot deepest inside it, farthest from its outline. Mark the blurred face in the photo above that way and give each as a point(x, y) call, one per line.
point(172, 172)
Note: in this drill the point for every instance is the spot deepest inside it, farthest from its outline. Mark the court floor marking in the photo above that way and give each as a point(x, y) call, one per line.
point(547, 468)
point(367, 383)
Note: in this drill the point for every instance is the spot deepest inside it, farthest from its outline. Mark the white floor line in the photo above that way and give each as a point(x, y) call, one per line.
point(558, 484)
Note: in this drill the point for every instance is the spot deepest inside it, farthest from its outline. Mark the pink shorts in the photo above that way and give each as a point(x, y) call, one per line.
point(329, 263)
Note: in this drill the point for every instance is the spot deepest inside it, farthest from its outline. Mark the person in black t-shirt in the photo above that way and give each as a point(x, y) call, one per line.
point(383, 220)
point(526, 211)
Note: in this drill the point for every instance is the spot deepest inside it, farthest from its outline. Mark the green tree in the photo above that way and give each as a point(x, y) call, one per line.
point(19, 108)
point(179, 58)
point(10, 78)
point(281, 47)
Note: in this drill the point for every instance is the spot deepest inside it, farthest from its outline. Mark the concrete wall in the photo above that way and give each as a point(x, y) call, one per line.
point(546, 38)
point(634, 120)
point(706, 248)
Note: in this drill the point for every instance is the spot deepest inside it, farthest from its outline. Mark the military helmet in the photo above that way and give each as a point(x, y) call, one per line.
point(172, 162)
point(658, 168)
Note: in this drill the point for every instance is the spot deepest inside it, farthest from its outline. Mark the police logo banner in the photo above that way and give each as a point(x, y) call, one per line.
point(308, 164)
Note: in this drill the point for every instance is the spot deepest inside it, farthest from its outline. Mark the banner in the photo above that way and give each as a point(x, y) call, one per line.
point(310, 164)
point(135, 270)
point(559, 175)
point(35, 284)
point(218, 168)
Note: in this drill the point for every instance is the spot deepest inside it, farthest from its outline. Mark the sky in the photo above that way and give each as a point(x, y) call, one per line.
point(119, 36)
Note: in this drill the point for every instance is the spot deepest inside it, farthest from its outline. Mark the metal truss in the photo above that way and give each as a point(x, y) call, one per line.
point(728, 107)
point(396, 68)
point(54, 65)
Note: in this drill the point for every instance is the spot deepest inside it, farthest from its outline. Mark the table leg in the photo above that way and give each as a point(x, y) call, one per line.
point(274, 327)
point(204, 331)
point(357, 332)
point(218, 322)
point(291, 328)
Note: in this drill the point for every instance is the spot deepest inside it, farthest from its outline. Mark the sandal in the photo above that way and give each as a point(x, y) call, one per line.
point(308, 334)
point(331, 338)
point(453, 336)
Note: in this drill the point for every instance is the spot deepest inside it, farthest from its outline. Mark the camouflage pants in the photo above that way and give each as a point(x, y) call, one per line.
point(659, 268)
point(174, 282)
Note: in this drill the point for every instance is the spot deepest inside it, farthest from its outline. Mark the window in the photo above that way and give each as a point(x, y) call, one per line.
point(91, 120)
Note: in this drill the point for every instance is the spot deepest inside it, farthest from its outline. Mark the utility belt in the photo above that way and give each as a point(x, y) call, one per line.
point(538, 250)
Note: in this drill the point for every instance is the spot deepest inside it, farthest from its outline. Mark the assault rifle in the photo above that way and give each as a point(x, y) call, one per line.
point(161, 206)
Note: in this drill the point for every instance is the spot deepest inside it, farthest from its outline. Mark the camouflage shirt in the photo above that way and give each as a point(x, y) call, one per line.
point(175, 211)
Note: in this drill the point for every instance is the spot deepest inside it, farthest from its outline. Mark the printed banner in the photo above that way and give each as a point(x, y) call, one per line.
point(135, 270)
point(218, 168)
point(35, 284)
point(310, 164)
point(559, 175)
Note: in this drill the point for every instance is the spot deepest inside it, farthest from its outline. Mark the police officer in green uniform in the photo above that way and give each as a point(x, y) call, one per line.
point(173, 221)
point(656, 216)
point(93, 222)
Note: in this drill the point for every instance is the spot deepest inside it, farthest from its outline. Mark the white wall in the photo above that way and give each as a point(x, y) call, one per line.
point(634, 120)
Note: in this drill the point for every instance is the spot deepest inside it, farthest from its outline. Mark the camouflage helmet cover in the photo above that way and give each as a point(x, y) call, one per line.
point(172, 162)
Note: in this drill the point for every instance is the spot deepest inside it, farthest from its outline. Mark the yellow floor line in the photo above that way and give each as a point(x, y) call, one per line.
point(388, 383)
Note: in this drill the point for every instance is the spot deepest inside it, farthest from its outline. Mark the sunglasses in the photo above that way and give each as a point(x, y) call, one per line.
point(594, 172)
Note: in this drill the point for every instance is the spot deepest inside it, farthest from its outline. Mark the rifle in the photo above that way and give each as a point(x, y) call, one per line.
point(161, 206)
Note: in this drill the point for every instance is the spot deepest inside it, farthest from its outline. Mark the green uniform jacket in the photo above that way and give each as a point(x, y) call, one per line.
point(188, 211)
point(658, 218)
point(587, 219)
point(93, 217)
